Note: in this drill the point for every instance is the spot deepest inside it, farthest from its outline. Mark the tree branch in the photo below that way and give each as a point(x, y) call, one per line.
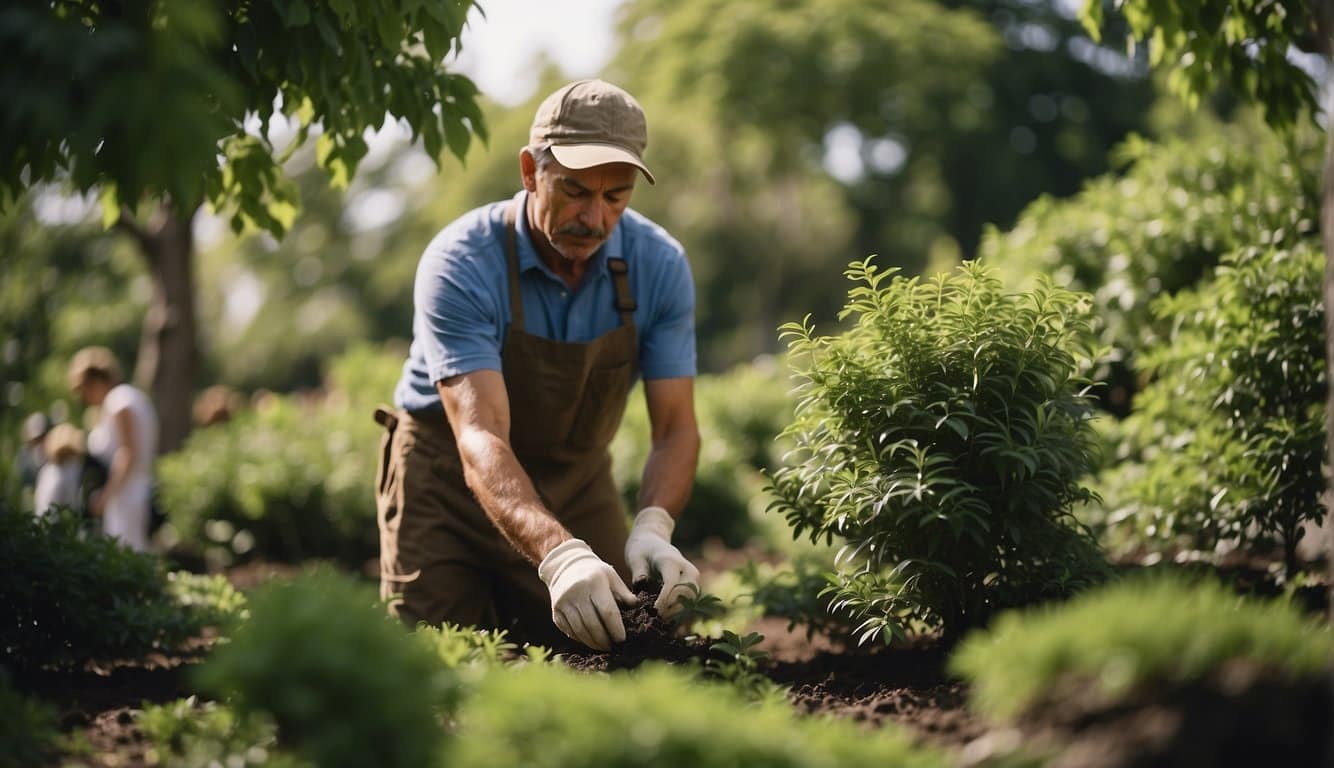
point(130, 226)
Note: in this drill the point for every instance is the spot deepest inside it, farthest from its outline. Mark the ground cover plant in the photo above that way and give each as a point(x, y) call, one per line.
point(368, 696)
point(72, 597)
point(944, 436)
point(1252, 675)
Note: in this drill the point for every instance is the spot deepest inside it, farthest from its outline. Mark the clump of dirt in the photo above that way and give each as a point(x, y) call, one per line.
point(648, 637)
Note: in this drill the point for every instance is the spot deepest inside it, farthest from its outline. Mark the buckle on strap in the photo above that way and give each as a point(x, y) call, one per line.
point(617, 266)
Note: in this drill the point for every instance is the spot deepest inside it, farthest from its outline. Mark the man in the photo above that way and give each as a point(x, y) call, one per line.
point(532, 319)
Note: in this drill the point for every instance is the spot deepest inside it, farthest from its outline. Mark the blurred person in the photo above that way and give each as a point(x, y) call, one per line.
point(124, 440)
point(60, 481)
point(216, 405)
point(533, 317)
point(32, 454)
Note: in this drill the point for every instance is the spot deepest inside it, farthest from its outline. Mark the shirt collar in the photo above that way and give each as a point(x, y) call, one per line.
point(528, 258)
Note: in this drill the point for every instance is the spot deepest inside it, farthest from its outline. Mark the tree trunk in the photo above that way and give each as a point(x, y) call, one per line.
point(168, 353)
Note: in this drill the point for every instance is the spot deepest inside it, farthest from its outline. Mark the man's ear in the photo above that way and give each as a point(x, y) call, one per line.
point(528, 169)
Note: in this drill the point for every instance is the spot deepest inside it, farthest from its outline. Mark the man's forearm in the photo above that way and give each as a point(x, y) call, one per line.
point(507, 495)
point(669, 473)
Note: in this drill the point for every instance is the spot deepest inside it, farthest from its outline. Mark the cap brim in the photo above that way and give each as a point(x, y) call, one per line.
point(580, 156)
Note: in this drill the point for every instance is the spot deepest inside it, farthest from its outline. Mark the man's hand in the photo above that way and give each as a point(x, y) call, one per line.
point(649, 550)
point(584, 591)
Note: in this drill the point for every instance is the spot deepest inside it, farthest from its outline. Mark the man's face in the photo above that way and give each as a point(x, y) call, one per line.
point(577, 209)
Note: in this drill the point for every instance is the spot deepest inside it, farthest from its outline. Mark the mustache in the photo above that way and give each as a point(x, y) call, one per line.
point(579, 230)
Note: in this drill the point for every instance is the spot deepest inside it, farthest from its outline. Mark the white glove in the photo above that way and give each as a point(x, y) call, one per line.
point(649, 550)
point(584, 591)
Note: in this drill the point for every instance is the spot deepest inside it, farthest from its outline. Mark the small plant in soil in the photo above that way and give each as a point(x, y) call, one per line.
point(697, 606)
point(737, 662)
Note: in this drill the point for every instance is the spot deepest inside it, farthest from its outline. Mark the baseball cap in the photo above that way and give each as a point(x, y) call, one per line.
point(592, 122)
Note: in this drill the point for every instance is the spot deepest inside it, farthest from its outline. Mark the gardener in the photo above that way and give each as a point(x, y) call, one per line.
point(532, 319)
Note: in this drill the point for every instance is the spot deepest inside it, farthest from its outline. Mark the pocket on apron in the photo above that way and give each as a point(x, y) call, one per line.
point(602, 407)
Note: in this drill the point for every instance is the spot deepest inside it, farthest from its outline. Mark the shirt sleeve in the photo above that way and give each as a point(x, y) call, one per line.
point(667, 343)
point(456, 317)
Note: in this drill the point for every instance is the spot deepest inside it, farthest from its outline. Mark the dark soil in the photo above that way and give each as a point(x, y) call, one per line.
point(1241, 719)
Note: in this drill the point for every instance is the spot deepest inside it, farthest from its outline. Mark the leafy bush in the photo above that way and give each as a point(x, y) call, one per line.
point(541, 715)
point(740, 415)
point(188, 734)
point(944, 437)
point(1138, 634)
point(289, 481)
point(1228, 440)
point(343, 682)
point(1163, 225)
point(214, 601)
point(28, 733)
point(71, 597)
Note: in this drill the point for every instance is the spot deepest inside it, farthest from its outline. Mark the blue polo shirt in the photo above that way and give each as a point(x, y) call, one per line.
point(461, 303)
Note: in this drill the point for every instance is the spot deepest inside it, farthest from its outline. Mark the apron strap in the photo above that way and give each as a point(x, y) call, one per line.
point(512, 256)
point(625, 301)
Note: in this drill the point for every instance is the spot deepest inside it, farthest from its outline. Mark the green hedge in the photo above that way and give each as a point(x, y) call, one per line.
point(71, 597)
point(1162, 225)
point(291, 480)
point(1228, 441)
point(1138, 635)
point(28, 734)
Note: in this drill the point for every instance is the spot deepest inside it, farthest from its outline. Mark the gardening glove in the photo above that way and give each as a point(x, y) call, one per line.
point(584, 591)
point(649, 550)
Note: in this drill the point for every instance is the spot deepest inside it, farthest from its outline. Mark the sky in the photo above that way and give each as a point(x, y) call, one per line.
point(501, 47)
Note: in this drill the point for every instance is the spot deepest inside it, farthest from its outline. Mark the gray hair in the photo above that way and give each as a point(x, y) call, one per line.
point(543, 156)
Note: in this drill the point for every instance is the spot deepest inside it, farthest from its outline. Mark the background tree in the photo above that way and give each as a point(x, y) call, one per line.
point(165, 105)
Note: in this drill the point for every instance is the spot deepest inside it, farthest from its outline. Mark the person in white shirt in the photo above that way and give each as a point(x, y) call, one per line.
point(124, 440)
point(59, 481)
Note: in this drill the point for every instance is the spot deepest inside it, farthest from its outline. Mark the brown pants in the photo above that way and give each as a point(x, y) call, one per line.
point(443, 560)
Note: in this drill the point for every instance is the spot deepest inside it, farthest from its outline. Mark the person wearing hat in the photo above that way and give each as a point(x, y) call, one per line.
point(533, 317)
point(124, 440)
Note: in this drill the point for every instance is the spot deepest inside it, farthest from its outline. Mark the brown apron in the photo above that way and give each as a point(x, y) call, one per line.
point(441, 557)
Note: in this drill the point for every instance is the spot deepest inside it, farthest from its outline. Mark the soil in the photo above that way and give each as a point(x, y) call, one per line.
point(1244, 718)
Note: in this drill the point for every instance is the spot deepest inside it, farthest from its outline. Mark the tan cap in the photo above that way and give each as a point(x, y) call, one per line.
point(591, 122)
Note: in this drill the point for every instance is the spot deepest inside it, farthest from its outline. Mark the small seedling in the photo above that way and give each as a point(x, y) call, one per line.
point(697, 606)
point(739, 665)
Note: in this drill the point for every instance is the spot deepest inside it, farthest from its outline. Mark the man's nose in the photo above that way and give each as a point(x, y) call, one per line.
point(591, 214)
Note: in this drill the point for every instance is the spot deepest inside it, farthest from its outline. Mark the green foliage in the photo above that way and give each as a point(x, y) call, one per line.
point(28, 733)
point(740, 413)
point(1162, 226)
point(71, 597)
point(944, 437)
point(697, 606)
point(143, 97)
point(214, 601)
point(545, 716)
point(343, 682)
point(1138, 635)
point(1244, 44)
point(188, 734)
point(799, 591)
point(289, 480)
point(736, 662)
point(1228, 440)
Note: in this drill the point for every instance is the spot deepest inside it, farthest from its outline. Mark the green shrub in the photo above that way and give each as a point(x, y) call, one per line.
point(344, 683)
point(290, 481)
point(740, 415)
point(28, 733)
point(540, 715)
point(188, 734)
point(1228, 440)
point(1136, 635)
point(944, 436)
point(72, 597)
point(214, 601)
point(1162, 226)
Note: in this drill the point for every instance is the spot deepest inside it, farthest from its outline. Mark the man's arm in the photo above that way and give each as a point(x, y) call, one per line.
point(669, 473)
point(478, 408)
